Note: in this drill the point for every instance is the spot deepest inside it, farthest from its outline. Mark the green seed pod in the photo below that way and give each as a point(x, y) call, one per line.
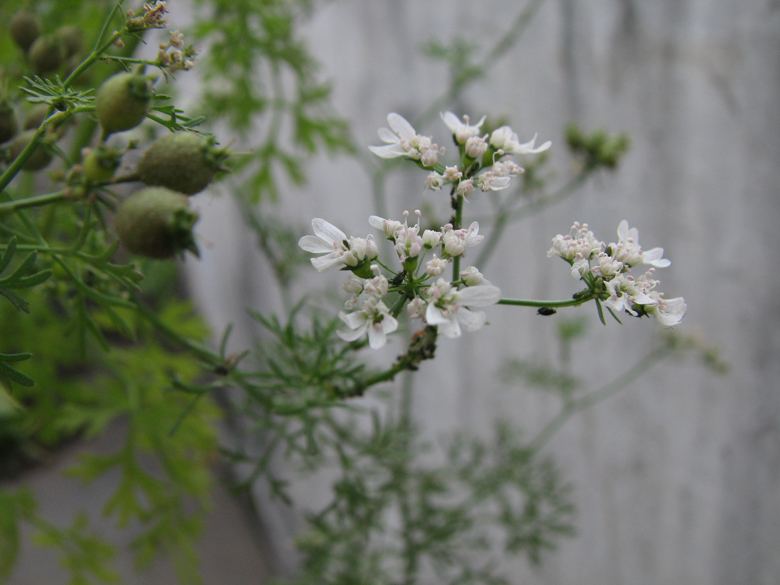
point(72, 39)
point(100, 163)
point(123, 101)
point(39, 159)
point(46, 54)
point(8, 124)
point(25, 27)
point(156, 223)
point(183, 161)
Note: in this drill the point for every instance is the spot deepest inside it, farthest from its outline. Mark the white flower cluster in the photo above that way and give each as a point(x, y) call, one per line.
point(441, 303)
point(402, 140)
point(606, 268)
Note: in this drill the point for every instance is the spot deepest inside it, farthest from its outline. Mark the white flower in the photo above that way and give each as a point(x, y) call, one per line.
point(436, 266)
point(476, 146)
point(403, 140)
point(434, 181)
point(625, 292)
point(377, 287)
point(328, 240)
point(465, 188)
point(416, 308)
point(455, 242)
point(374, 318)
point(462, 131)
point(628, 252)
point(505, 139)
point(452, 174)
point(336, 247)
point(447, 307)
point(390, 227)
point(431, 238)
point(489, 181)
point(472, 277)
point(359, 249)
point(668, 312)
point(577, 245)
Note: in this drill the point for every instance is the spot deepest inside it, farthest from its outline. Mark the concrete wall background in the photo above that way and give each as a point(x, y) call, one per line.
point(677, 479)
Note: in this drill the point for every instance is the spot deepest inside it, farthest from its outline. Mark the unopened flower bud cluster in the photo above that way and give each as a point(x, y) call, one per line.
point(607, 270)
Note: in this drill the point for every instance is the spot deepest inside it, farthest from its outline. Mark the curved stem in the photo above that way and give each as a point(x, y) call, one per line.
point(572, 407)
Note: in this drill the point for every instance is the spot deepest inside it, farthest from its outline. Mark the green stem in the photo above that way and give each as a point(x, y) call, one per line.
point(12, 206)
point(201, 351)
point(456, 224)
point(552, 304)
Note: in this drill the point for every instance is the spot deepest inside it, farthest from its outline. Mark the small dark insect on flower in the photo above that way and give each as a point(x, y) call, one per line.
point(546, 311)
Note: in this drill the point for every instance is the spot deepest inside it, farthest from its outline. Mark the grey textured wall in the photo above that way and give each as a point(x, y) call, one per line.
point(677, 479)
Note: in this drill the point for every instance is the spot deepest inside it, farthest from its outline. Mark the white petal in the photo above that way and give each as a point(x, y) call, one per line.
point(481, 295)
point(389, 324)
point(451, 120)
point(655, 258)
point(352, 335)
point(643, 299)
point(471, 320)
point(673, 313)
point(434, 315)
point(323, 263)
point(327, 231)
point(499, 183)
point(617, 304)
point(353, 320)
point(450, 328)
point(377, 222)
point(315, 244)
point(400, 126)
point(388, 136)
point(390, 151)
point(623, 230)
point(376, 337)
point(528, 147)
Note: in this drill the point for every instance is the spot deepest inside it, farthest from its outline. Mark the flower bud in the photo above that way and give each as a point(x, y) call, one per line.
point(431, 238)
point(471, 276)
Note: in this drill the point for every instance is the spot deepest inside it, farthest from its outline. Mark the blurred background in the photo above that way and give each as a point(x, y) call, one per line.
point(676, 477)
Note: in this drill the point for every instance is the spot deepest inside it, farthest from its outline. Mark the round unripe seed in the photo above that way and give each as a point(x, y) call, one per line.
point(25, 27)
point(156, 223)
point(183, 161)
point(39, 159)
point(100, 164)
point(46, 54)
point(123, 101)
